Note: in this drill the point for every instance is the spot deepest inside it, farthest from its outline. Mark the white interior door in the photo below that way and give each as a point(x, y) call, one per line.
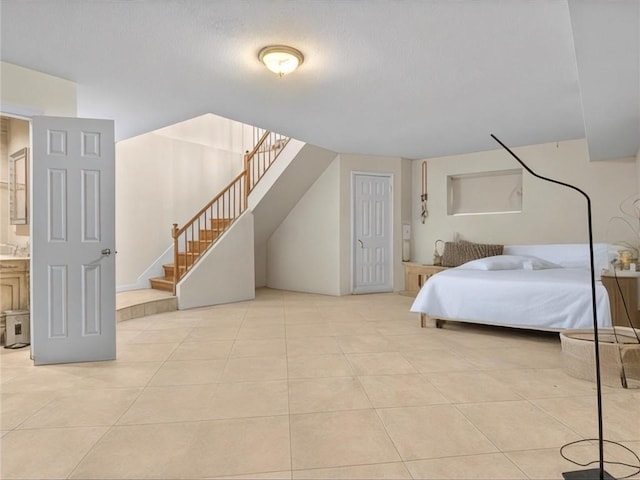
point(372, 233)
point(73, 238)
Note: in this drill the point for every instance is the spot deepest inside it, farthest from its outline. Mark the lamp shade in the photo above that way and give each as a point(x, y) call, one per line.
point(281, 59)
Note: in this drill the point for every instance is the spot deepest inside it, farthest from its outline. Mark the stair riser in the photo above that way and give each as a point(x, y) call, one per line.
point(209, 234)
point(168, 271)
point(220, 223)
point(197, 245)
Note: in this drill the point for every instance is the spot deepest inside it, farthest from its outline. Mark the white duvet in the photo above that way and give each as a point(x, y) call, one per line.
point(549, 299)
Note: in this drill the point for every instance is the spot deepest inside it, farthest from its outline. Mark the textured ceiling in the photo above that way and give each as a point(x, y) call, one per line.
point(410, 78)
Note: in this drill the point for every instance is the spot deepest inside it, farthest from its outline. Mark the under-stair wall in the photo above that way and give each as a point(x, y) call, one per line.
point(225, 273)
point(296, 170)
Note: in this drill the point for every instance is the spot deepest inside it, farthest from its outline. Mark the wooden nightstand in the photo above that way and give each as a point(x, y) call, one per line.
point(415, 274)
point(628, 282)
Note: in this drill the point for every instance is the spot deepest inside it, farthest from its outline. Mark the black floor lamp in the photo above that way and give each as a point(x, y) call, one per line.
point(593, 473)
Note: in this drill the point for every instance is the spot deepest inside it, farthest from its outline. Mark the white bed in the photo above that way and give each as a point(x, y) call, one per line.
point(539, 295)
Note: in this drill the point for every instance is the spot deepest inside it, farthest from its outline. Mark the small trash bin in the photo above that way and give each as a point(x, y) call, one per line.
point(17, 333)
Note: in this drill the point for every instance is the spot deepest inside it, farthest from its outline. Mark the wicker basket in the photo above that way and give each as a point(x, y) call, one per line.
point(619, 356)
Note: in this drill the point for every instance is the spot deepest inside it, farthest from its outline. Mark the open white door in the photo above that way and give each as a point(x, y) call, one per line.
point(372, 233)
point(73, 238)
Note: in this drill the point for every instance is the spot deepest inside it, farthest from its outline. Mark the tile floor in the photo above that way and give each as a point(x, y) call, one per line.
point(302, 386)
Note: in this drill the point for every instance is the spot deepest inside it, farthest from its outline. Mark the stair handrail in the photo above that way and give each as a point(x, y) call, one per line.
point(230, 209)
point(243, 184)
point(256, 161)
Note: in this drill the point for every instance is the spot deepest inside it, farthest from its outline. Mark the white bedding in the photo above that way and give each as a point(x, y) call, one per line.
point(549, 299)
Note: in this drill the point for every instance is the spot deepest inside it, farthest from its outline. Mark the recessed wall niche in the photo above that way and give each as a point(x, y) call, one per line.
point(485, 193)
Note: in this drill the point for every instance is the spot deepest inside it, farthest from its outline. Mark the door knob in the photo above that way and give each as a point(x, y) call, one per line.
point(361, 243)
point(106, 251)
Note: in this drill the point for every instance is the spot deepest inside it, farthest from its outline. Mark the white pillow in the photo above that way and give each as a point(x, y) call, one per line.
point(508, 262)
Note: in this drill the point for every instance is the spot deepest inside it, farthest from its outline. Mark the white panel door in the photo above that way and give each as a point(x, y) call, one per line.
point(372, 233)
point(73, 237)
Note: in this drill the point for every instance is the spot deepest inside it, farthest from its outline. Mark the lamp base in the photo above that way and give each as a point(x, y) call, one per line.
point(590, 474)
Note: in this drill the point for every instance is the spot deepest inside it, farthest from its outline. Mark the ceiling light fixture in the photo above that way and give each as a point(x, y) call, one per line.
point(281, 59)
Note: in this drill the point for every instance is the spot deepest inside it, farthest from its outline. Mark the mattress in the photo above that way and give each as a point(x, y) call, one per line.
point(547, 299)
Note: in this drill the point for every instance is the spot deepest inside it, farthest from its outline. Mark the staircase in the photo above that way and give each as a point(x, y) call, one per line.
point(193, 239)
point(206, 237)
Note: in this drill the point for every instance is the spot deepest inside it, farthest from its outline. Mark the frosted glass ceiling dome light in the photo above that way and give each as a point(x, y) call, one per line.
point(281, 59)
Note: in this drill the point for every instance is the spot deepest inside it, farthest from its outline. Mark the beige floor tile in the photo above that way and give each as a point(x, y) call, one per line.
point(388, 327)
point(189, 372)
point(317, 329)
point(519, 357)
point(355, 437)
point(579, 414)
point(15, 408)
point(167, 404)
point(37, 379)
point(517, 425)
point(119, 374)
point(384, 363)
point(46, 453)
point(124, 337)
point(309, 366)
point(262, 331)
point(263, 321)
point(312, 346)
point(84, 408)
point(167, 335)
point(391, 471)
point(265, 311)
point(15, 358)
point(247, 369)
point(365, 344)
point(401, 391)
point(544, 383)
point(284, 475)
point(548, 464)
point(353, 328)
point(215, 349)
point(303, 317)
point(467, 387)
point(433, 431)
point(249, 399)
point(619, 453)
point(327, 394)
point(239, 446)
point(259, 347)
point(213, 319)
point(139, 451)
point(438, 360)
point(419, 341)
point(208, 334)
point(491, 466)
point(141, 352)
point(167, 322)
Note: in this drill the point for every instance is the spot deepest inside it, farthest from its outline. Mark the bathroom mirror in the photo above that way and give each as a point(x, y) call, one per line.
point(18, 188)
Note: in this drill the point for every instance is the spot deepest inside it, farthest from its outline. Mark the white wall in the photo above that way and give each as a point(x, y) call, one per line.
point(161, 180)
point(303, 253)
point(311, 250)
point(27, 92)
point(225, 273)
point(550, 213)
